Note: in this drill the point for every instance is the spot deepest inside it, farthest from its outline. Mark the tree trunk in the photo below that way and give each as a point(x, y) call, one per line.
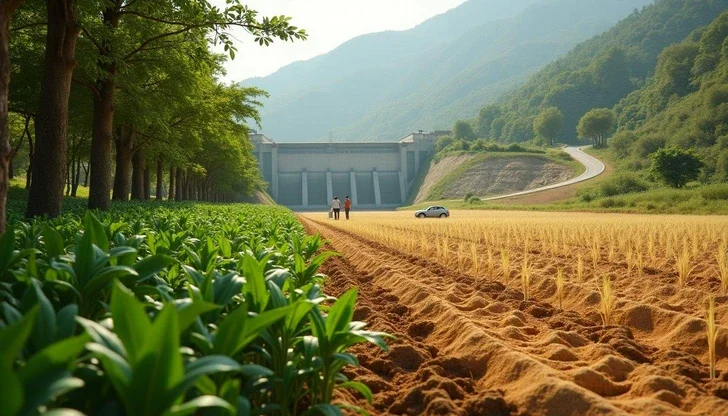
point(86, 172)
point(172, 191)
point(122, 176)
point(100, 160)
point(178, 185)
point(147, 184)
point(7, 8)
point(160, 182)
point(137, 175)
point(103, 122)
point(29, 172)
point(70, 172)
point(77, 180)
point(51, 122)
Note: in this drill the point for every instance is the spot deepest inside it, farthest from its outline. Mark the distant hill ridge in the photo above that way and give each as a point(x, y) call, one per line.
point(383, 85)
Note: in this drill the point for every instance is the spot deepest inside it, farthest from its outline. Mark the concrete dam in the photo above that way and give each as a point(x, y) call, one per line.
point(374, 175)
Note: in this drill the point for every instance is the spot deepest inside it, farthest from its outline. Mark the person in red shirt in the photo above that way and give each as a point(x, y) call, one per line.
point(347, 206)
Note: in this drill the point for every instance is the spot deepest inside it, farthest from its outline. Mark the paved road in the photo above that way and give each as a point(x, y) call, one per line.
point(594, 168)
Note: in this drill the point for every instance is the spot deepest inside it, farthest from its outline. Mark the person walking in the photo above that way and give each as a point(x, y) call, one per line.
point(347, 206)
point(336, 207)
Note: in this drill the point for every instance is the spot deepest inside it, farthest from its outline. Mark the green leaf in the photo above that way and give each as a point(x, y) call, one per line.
point(160, 366)
point(13, 337)
point(97, 231)
point(66, 319)
point(237, 330)
point(53, 242)
point(255, 288)
point(149, 266)
point(7, 245)
point(204, 366)
point(11, 393)
point(131, 322)
point(341, 313)
point(116, 368)
point(44, 331)
point(99, 281)
point(45, 389)
point(59, 355)
point(191, 407)
point(360, 387)
point(189, 312)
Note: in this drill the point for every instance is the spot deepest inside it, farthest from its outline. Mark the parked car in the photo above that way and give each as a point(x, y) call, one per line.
point(433, 212)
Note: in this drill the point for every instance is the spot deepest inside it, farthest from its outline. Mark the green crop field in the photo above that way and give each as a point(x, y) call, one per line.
point(151, 309)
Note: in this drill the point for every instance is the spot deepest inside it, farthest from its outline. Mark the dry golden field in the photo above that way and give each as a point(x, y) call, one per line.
point(539, 313)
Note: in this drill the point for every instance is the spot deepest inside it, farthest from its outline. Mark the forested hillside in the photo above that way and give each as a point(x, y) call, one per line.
point(597, 73)
point(382, 86)
point(685, 104)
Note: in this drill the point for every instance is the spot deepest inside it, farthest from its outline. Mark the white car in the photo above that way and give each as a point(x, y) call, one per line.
point(433, 212)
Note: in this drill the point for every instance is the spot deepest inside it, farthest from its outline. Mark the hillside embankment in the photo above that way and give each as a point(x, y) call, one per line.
point(453, 177)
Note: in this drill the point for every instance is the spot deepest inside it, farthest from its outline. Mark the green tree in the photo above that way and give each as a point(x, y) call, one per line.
point(548, 124)
point(463, 130)
point(7, 8)
point(485, 119)
point(595, 125)
point(675, 166)
point(443, 142)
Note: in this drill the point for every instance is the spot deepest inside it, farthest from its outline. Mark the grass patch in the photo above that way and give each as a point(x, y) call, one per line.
point(699, 199)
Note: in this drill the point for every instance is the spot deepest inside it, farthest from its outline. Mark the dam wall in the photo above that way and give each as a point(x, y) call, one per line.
point(374, 175)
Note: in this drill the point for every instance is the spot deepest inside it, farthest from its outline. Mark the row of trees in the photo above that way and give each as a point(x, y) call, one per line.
point(134, 78)
point(595, 125)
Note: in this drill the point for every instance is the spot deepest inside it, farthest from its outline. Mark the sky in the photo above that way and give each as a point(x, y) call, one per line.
point(329, 23)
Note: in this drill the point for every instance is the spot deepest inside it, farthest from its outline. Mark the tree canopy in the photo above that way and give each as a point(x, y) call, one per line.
point(595, 125)
point(674, 166)
point(131, 91)
point(548, 124)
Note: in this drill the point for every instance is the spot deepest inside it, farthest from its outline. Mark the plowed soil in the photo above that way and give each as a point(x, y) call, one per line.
point(468, 345)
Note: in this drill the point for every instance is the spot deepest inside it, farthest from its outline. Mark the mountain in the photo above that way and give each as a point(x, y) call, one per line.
point(599, 72)
point(685, 104)
point(384, 85)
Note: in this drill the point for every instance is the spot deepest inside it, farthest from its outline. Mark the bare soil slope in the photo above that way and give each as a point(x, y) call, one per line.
point(454, 176)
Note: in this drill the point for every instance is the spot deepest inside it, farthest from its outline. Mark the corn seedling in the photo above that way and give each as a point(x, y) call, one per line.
point(712, 332)
point(640, 264)
point(505, 265)
point(682, 264)
point(607, 302)
point(579, 269)
point(474, 257)
point(526, 278)
point(722, 260)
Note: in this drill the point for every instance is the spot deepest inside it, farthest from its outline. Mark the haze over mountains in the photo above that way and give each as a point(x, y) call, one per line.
point(384, 85)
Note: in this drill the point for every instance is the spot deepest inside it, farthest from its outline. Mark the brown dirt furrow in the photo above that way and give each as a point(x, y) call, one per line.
point(472, 346)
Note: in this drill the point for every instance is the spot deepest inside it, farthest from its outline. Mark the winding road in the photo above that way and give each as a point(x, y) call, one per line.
point(594, 168)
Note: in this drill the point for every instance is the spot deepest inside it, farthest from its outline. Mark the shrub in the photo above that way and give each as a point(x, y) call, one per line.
point(468, 196)
point(622, 183)
point(473, 199)
point(717, 192)
point(675, 166)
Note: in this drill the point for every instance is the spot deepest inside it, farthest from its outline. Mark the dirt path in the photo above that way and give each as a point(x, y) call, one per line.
point(472, 346)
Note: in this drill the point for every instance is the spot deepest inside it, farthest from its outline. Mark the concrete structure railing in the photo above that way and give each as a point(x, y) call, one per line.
point(374, 175)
